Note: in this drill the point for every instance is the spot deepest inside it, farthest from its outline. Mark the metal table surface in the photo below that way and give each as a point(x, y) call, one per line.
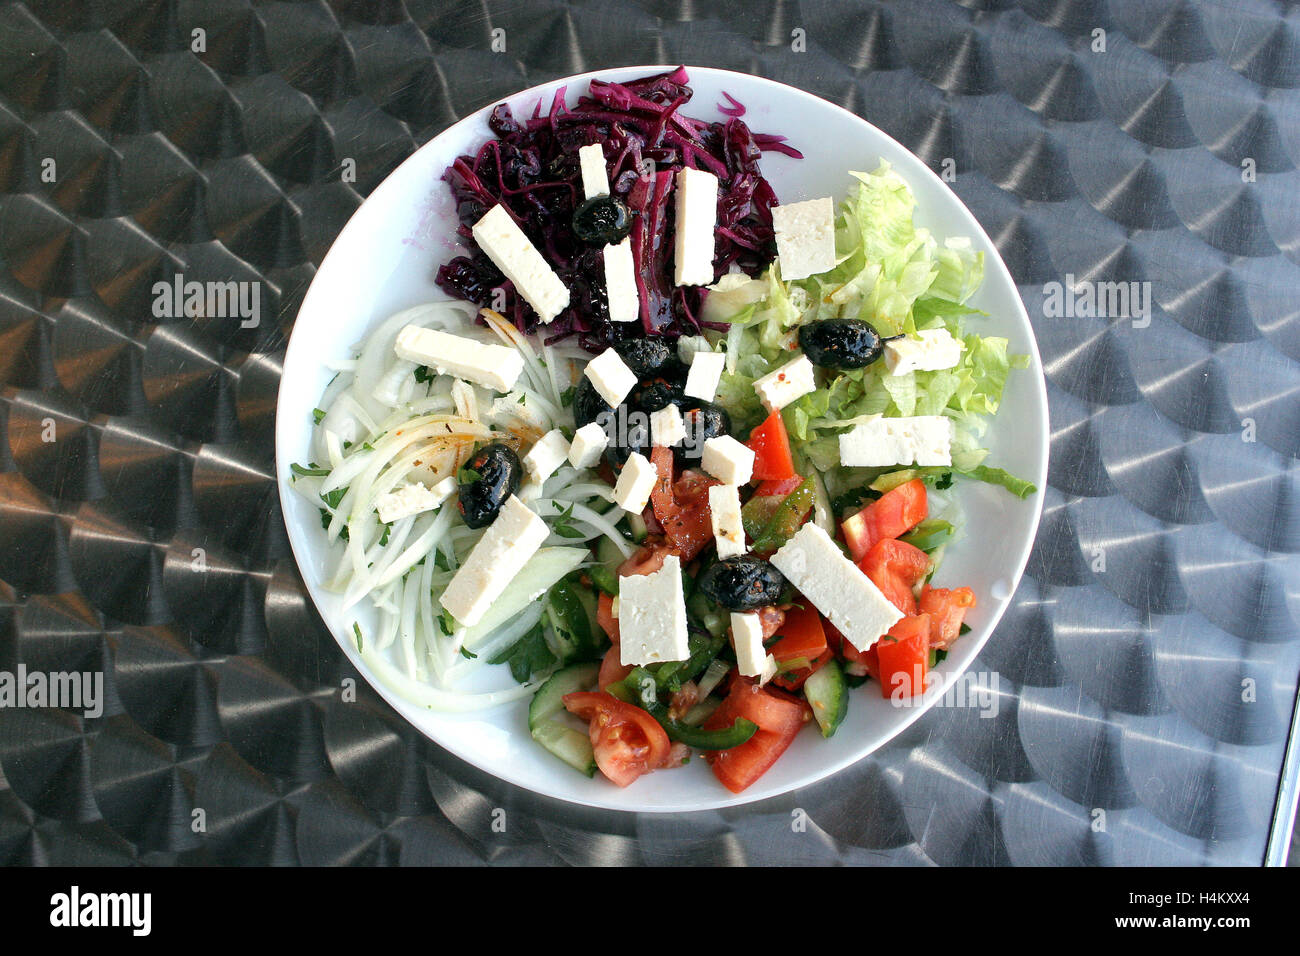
point(1146, 675)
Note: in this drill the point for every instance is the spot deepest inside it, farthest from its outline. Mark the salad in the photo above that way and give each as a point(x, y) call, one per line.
point(678, 458)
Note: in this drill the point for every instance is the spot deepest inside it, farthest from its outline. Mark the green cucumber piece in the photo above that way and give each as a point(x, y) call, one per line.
point(544, 713)
point(827, 694)
point(638, 528)
point(571, 746)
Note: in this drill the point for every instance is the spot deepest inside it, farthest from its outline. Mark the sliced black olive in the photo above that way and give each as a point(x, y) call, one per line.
point(644, 357)
point(490, 477)
point(588, 405)
point(742, 583)
point(703, 421)
point(602, 220)
point(840, 343)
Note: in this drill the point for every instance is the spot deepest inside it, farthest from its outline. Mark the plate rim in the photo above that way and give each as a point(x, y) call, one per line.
point(726, 799)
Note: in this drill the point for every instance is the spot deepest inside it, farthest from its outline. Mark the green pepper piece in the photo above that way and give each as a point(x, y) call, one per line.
point(929, 534)
point(724, 738)
point(786, 519)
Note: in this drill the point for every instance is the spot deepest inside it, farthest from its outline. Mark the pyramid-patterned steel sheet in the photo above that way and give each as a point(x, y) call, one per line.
point(1145, 676)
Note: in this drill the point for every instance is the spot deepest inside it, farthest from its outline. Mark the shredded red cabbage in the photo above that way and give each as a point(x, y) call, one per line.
point(532, 169)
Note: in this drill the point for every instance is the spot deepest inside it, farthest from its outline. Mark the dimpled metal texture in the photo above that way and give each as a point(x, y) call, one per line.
point(1137, 698)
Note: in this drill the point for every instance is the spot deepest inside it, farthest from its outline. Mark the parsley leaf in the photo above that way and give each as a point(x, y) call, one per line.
point(468, 654)
point(467, 476)
point(563, 526)
point(317, 414)
point(566, 396)
point(423, 374)
point(356, 629)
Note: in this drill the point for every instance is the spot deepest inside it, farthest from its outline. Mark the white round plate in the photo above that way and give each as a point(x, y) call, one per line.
point(385, 259)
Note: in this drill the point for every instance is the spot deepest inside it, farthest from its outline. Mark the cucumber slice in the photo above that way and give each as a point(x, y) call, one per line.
point(545, 713)
point(571, 746)
point(828, 695)
point(549, 699)
point(609, 556)
point(639, 530)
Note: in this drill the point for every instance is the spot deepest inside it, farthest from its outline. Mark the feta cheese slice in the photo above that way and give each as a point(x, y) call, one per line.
point(932, 350)
point(652, 616)
point(696, 216)
point(747, 638)
point(548, 453)
point(492, 366)
point(500, 237)
point(589, 443)
point(728, 528)
point(704, 374)
point(727, 460)
point(620, 283)
point(635, 482)
point(595, 180)
point(805, 237)
point(413, 499)
point(507, 545)
point(610, 376)
point(919, 440)
point(780, 387)
point(667, 427)
point(814, 564)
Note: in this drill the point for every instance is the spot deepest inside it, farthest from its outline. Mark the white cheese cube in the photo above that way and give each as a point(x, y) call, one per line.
point(920, 440)
point(932, 350)
point(779, 388)
point(610, 376)
point(635, 482)
point(620, 283)
point(667, 427)
point(747, 638)
point(492, 366)
point(814, 564)
point(507, 545)
point(595, 180)
point(652, 616)
point(500, 237)
point(727, 460)
point(769, 670)
point(413, 499)
point(805, 237)
point(589, 443)
point(548, 453)
point(728, 528)
point(697, 215)
point(704, 374)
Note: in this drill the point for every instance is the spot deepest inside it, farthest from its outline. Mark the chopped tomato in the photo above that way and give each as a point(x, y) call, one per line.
point(946, 608)
point(605, 616)
point(896, 512)
point(682, 509)
point(904, 655)
point(802, 638)
point(771, 447)
point(779, 487)
point(896, 568)
point(612, 669)
point(647, 559)
point(627, 741)
point(779, 717)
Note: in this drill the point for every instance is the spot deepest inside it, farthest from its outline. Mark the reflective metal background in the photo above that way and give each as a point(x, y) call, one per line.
point(1147, 673)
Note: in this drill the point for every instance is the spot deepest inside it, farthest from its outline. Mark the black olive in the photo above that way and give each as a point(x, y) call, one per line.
point(742, 583)
point(644, 357)
point(840, 343)
point(664, 387)
point(588, 405)
point(497, 471)
point(629, 431)
point(704, 421)
point(602, 221)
